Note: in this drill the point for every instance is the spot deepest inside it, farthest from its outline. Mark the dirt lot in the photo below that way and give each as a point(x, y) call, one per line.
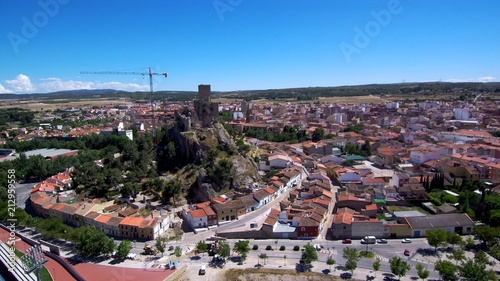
point(254, 274)
point(272, 275)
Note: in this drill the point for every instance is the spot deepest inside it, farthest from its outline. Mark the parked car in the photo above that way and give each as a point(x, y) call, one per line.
point(318, 247)
point(346, 241)
point(202, 270)
point(382, 241)
point(406, 240)
point(407, 252)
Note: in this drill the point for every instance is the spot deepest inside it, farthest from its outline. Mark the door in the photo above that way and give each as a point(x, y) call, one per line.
point(416, 233)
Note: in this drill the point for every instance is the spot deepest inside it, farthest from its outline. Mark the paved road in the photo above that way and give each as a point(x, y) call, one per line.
point(23, 191)
point(332, 249)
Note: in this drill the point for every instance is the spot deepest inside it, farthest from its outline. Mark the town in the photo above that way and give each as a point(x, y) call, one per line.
point(307, 171)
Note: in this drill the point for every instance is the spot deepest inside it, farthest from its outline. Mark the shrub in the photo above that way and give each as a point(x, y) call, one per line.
point(282, 248)
point(255, 247)
point(269, 248)
point(296, 248)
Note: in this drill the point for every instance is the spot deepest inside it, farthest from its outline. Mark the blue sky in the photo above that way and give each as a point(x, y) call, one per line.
point(245, 44)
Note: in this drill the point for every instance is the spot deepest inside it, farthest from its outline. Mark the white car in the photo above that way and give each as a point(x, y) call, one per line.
point(406, 240)
point(318, 247)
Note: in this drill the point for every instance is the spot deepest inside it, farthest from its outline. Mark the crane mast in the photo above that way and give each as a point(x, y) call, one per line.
point(150, 74)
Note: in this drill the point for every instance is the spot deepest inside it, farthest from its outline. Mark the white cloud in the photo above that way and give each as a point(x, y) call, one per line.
point(21, 84)
point(484, 79)
point(56, 84)
point(3, 90)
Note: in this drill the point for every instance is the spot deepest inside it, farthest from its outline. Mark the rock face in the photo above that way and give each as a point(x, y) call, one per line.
point(193, 147)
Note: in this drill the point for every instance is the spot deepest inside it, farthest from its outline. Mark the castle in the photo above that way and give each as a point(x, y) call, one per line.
point(205, 111)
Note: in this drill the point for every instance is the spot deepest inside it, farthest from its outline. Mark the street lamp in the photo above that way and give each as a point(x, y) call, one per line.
point(33, 259)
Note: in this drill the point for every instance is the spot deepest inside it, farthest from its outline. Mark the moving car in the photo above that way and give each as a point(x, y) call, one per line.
point(406, 240)
point(346, 241)
point(382, 241)
point(407, 252)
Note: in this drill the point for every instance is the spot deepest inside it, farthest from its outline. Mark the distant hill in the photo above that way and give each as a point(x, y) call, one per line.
point(436, 88)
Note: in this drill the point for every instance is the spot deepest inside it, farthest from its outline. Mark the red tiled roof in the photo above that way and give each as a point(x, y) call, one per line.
point(198, 213)
point(342, 218)
point(132, 221)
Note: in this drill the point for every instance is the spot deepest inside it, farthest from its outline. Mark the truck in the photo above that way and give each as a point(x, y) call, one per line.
point(369, 240)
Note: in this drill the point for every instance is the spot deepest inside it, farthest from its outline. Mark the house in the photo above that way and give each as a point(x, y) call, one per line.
point(342, 223)
point(251, 204)
point(446, 209)
point(197, 218)
point(308, 228)
point(398, 179)
point(459, 223)
point(129, 227)
point(211, 216)
point(229, 211)
point(363, 227)
point(275, 161)
point(349, 176)
point(352, 202)
point(375, 182)
point(262, 196)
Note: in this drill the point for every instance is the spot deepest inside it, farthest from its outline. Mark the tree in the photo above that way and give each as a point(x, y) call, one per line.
point(171, 189)
point(352, 257)
point(469, 242)
point(201, 246)
point(481, 257)
point(475, 271)
point(224, 250)
point(178, 251)
point(309, 254)
point(242, 247)
point(376, 266)
point(91, 242)
point(318, 134)
point(399, 267)
point(264, 257)
point(454, 239)
point(330, 262)
point(436, 237)
point(351, 265)
point(447, 270)
point(422, 271)
point(457, 255)
point(161, 243)
point(123, 249)
point(495, 251)
point(487, 234)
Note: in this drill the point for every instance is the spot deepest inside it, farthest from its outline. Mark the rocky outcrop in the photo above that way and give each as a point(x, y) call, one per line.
point(193, 147)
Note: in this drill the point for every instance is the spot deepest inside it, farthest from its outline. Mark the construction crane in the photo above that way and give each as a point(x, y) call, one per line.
point(150, 74)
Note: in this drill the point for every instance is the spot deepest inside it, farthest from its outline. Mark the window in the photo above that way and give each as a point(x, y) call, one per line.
point(303, 229)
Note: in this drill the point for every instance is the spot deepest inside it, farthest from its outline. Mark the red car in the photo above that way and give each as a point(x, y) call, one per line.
point(346, 241)
point(407, 252)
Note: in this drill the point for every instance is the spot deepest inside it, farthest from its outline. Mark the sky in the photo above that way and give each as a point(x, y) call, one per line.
point(244, 44)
